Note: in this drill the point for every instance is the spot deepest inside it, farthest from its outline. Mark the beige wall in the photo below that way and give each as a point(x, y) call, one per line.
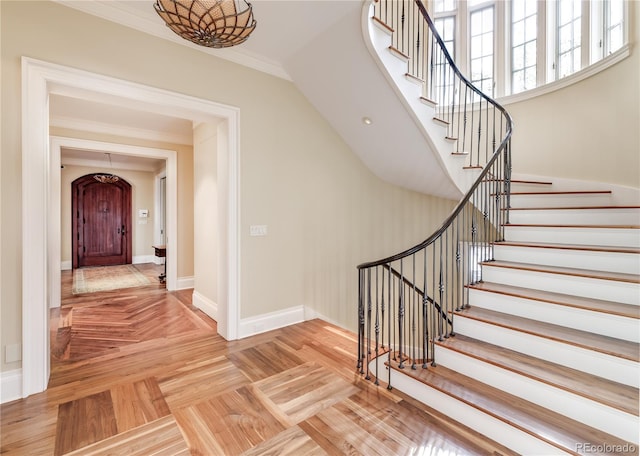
point(142, 197)
point(587, 131)
point(205, 211)
point(325, 212)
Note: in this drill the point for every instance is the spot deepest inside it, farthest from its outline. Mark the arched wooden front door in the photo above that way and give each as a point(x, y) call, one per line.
point(101, 221)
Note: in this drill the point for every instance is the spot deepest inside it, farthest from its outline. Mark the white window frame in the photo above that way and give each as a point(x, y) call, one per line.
point(508, 67)
point(593, 25)
point(475, 9)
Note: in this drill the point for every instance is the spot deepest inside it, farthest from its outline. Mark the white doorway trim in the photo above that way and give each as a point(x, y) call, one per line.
point(160, 210)
point(170, 156)
point(39, 80)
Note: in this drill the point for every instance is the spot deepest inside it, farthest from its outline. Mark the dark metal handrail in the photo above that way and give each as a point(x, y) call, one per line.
point(396, 314)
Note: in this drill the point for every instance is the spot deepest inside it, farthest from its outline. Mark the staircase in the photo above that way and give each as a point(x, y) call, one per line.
point(548, 343)
point(520, 316)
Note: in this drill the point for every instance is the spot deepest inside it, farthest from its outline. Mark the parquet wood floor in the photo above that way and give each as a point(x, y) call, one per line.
point(141, 372)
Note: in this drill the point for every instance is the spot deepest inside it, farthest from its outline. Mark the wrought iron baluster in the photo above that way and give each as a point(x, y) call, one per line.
point(368, 377)
point(414, 296)
point(401, 304)
point(377, 329)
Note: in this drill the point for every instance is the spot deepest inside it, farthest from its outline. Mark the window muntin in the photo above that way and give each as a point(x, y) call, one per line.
point(443, 82)
point(481, 51)
point(599, 30)
point(442, 6)
point(569, 37)
point(524, 26)
point(446, 27)
point(613, 25)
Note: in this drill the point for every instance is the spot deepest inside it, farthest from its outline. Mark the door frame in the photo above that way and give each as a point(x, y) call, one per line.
point(77, 209)
point(57, 143)
point(41, 178)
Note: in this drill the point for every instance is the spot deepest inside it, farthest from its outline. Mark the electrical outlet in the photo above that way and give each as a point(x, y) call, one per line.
point(258, 230)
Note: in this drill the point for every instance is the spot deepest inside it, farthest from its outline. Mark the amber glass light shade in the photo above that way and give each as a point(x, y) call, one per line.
point(210, 23)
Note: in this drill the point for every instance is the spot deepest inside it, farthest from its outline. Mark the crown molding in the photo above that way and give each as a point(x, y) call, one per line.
point(115, 12)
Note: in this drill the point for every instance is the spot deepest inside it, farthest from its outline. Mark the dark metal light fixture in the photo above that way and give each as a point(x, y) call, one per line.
point(210, 23)
point(107, 178)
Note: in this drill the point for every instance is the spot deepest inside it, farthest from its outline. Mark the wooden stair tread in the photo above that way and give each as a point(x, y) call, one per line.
point(556, 429)
point(607, 392)
point(586, 273)
point(538, 225)
point(581, 247)
point(398, 53)
point(607, 345)
point(596, 305)
point(569, 208)
point(441, 121)
point(521, 181)
point(561, 192)
point(428, 101)
point(414, 78)
point(382, 24)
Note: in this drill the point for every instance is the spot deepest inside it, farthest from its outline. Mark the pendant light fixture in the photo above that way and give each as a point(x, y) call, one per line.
point(209, 23)
point(107, 178)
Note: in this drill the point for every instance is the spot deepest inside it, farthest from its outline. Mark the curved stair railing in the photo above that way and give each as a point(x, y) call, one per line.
point(408, 300)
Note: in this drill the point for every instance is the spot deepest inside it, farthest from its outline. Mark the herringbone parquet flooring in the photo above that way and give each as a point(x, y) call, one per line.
point(140, 372)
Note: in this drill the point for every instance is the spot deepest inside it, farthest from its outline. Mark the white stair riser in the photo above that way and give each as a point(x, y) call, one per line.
point(615, 237)
point(608, 290)
point(561, 200)
point(487, 425)
point(596, 363)
point(524, 187)
point(604, 324)
point(587, 411)
point(576, 217)
point(628, 263)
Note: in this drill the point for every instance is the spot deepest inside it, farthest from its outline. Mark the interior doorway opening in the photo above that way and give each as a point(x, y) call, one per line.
point(40, 197)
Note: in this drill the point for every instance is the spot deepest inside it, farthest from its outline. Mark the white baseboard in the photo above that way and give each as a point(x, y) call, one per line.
point(183, 283)
point(140, 259)
point(10, 385)
point(65, 265)
point(272, 320)
point(205, 304)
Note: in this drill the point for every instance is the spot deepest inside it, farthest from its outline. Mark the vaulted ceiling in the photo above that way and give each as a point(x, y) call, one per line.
point(320, 46)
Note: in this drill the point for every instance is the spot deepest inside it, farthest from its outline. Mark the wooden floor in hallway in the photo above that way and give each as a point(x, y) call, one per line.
point(139, 371)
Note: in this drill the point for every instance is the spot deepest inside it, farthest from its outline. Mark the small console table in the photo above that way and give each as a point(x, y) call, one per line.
point(161, 252)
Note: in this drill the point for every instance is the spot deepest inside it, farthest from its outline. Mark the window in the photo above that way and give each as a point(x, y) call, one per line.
point(446, 29)
point(510, 46)
point(481, 50)
point(569, 37)
point(442, 81)
point(613, 25)
point(440, 6)
point(524, 32)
